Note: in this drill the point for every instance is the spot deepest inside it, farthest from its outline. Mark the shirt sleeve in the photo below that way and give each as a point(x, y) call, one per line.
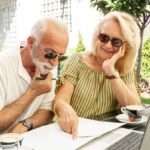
point(70, 70)
point(2, 87)
point(130, 78)
point(2, 95)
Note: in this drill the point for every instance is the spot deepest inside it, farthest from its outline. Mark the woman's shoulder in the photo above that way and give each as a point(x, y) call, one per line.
point(81, 61)
point(80, 56)
point(76, 58)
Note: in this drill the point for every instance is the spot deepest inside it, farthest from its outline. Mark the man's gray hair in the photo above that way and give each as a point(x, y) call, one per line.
point(41, 26)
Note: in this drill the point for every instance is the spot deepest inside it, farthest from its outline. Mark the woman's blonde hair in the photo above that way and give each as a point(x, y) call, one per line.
point(131, 34)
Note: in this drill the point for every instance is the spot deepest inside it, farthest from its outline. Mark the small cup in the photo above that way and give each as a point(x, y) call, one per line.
point(133, 112)
point(10, 140)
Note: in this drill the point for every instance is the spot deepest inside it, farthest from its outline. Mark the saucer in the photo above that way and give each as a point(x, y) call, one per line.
point(124, 118)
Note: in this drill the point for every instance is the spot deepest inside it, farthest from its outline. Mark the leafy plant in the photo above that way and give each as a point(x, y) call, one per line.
point(145, 69)
point(145, 100)
point(80, 46)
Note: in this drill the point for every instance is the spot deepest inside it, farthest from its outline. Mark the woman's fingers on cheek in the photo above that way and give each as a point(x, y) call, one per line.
point(123, 50)
point(120, 53)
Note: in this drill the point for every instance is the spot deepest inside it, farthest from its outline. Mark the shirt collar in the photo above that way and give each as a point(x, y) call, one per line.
point(22, 71)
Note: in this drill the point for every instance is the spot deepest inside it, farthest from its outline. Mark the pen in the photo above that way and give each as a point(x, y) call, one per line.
point(42, 78)
point(54, 79)
point(84, 136)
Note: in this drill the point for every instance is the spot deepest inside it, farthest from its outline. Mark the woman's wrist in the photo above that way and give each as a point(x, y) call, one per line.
point(57, 106)
point(114, 75)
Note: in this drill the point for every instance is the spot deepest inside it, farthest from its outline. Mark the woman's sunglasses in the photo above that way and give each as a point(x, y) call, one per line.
point(115, 42)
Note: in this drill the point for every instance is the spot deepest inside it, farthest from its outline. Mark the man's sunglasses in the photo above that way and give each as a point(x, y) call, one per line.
point(115, 42)
point(51, 54)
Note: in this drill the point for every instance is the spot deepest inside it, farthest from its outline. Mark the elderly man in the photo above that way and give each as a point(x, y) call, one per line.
point(26, 80)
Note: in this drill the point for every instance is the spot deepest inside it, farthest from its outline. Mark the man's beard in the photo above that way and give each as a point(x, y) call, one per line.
point(43, 67)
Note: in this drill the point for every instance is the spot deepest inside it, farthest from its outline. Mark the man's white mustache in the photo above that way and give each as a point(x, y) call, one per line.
point(43, 67)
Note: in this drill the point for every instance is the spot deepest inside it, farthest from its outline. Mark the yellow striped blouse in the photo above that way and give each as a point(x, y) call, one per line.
point(92, 94)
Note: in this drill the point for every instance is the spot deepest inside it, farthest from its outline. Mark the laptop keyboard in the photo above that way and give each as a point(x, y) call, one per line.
point(129, 142)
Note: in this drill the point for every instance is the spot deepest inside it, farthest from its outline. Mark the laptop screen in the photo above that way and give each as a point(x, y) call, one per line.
point(145, 144)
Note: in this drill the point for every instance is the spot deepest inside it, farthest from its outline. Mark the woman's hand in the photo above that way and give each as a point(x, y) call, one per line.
point(67, 118)
point(108, 65)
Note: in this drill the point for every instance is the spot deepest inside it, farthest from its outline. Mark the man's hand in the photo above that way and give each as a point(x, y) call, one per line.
point(39, 87)
point(68, 119)
point(19, 128)
point(108, 65)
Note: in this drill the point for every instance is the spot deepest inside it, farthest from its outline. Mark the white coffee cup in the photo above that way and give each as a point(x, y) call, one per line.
point(10, 140)
point(132, 111)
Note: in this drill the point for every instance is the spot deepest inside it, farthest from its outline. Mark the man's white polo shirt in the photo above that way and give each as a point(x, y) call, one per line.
point(14, 81)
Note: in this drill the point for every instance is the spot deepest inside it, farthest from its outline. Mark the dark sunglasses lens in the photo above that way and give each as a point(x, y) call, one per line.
point(103, 38)
point(116, 42)
point(50, 55)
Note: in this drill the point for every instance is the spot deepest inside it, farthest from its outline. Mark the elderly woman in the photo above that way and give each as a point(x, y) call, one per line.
point(97, 82)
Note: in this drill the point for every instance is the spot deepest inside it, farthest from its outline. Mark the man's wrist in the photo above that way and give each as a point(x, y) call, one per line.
point(32, 93)
point(27, 123)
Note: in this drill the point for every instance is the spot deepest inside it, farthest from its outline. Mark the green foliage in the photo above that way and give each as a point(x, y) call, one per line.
point(138, 8)
point(145, 100)
point(134, 7)
point(80, 46)
point(145, 70)
point(61, 63)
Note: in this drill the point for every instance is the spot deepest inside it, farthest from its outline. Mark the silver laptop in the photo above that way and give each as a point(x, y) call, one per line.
point(133, 141)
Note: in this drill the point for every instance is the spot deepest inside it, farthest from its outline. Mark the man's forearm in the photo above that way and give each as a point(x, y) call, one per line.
point(41, 117)
point(11, 112)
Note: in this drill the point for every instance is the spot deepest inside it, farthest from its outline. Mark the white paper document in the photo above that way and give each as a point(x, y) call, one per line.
point(52, 137)
point(89, 127)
